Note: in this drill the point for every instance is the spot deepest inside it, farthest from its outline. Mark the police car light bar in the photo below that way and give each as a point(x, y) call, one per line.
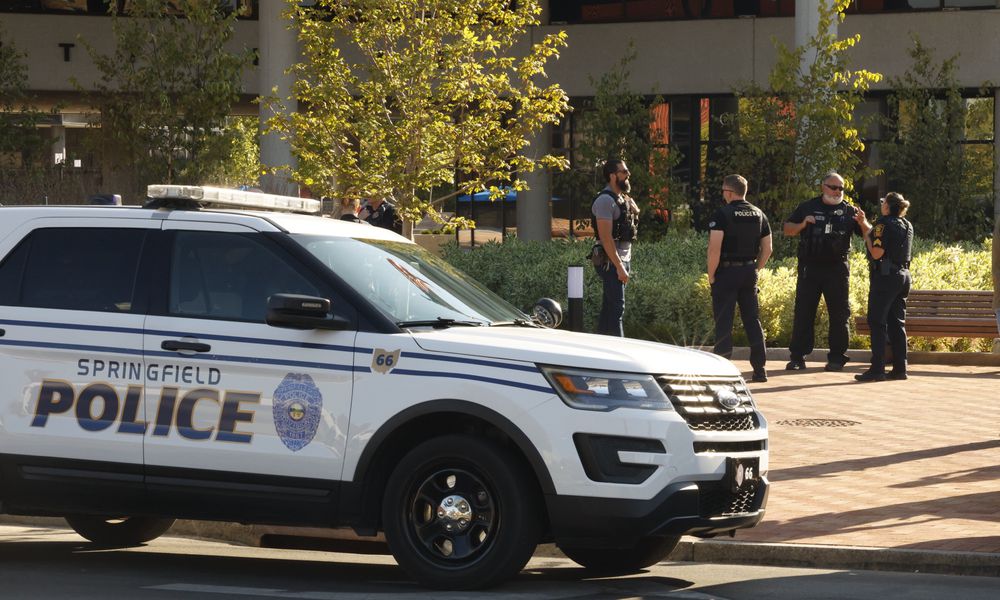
point(234, 198)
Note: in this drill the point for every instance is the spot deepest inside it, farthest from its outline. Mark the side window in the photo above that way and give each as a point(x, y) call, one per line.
point(81, 268)
point(229, 276)
point(11, 273)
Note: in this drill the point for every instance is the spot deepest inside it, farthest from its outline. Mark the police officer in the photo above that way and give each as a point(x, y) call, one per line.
point(616, 219)
point(889, 244)
point(739, 245)
point(824, 225)
point(381, 213)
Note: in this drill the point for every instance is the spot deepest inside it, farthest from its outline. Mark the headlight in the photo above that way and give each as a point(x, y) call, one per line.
point(606, 390)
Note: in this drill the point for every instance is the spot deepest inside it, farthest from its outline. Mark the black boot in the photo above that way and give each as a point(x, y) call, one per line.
point(870, 375)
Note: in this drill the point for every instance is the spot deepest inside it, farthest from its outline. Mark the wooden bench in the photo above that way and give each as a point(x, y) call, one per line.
point(945, 313)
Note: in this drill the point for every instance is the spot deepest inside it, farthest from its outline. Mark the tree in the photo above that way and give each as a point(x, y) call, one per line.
point(620, 123)
point(786, 136)
point(924, 156)
point(400, 98)
point(166, 89)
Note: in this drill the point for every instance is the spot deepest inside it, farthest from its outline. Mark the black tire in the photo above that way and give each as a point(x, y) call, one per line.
point(119, 532)
point(457, 546)
point(618, 561)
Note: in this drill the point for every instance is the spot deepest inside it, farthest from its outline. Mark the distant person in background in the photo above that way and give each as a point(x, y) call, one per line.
point(381, 213)
point(346, 210)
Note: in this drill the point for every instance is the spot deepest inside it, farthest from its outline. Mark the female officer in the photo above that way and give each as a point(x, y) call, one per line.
point(889, 242)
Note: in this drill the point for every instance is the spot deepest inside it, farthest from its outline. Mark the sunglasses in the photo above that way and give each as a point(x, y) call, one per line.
point(836, 188)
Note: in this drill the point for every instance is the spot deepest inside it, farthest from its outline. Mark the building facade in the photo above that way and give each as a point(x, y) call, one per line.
point(692, 52)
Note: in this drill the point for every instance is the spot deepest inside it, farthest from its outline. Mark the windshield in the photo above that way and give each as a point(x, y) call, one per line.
point(408, 283)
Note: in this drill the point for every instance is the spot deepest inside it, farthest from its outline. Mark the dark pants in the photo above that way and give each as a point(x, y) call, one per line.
point(737, 285)
point(829, 281)
point(609, 322)
point(887, 318)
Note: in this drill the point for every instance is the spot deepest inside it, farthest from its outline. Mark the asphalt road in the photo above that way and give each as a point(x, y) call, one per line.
point(56, 564)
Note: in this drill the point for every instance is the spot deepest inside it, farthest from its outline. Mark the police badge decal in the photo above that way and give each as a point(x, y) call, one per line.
point(296, 408)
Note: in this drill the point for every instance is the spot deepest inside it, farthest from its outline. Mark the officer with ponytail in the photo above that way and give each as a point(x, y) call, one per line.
point(889, 241)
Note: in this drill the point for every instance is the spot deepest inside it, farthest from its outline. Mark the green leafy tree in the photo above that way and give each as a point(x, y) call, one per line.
point(408, 98)
point(621, 123)
point(787, 135)
point(165, 91)
point(950, 184)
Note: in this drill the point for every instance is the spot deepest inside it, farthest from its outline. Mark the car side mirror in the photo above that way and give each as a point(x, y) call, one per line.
point(547, 313)
point(297, 311)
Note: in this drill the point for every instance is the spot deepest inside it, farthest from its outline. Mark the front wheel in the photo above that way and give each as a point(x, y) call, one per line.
point(120, 531)
point(461, 512)
point(618, 561)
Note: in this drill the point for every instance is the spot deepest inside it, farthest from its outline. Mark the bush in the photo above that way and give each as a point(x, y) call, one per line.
point(668, 300)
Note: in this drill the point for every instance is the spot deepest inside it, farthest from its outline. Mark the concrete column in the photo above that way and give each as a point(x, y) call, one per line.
point(807, 25)
point(59, 144)
point(534, 215)
point(277, 50)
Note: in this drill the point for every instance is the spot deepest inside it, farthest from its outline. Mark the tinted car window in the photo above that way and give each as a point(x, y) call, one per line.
point(82, 269)
point(11, 272)
point(229, 276)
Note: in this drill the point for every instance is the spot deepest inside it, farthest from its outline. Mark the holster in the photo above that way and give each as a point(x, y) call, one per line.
point(599, 257)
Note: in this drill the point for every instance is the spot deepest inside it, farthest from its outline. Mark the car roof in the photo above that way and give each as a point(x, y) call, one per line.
point(14, 216)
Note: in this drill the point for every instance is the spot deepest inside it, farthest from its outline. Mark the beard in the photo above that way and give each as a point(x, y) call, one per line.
point(625, 186)
point(830, 199)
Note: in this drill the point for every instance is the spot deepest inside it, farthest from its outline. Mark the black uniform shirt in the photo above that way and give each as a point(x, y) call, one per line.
point(894, 235)
point(384, 216)
point(829, 239)
point(744, 226)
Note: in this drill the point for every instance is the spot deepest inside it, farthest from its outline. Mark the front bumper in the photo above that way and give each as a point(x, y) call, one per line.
point(698, 508)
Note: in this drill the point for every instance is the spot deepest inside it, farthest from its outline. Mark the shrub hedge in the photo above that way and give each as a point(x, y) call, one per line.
point(668, 299)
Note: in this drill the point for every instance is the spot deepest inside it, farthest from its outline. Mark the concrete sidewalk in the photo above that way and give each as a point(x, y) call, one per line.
point(906, 473)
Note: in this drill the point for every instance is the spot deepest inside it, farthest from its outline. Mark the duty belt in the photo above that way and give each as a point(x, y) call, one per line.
point(737, 263)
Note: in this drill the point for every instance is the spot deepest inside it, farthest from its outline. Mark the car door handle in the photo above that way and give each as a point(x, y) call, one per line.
point(175, 345)
point(3, 332)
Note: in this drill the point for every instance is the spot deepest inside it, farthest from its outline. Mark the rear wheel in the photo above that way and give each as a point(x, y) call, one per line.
point(618, 561)
point(461, 512)
point(119, 531)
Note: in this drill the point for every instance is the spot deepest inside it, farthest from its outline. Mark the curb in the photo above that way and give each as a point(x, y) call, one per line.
point(940, 562)
point(982, 564)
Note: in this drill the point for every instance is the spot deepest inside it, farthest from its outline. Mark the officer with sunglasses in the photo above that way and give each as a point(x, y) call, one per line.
point(824, 226)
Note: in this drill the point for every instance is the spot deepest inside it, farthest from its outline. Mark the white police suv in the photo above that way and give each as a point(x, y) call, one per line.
point(175, 361)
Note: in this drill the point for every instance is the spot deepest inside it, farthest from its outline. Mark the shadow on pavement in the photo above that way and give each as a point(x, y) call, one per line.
point(872, 462)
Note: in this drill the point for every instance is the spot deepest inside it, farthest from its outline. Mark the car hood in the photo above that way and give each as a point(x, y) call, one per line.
point(581, 350)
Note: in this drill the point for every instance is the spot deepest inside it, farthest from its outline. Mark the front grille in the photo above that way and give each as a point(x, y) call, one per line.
point(716, 500)
point(699, 402)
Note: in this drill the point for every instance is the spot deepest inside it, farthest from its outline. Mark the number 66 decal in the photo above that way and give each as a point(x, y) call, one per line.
point(384, 361)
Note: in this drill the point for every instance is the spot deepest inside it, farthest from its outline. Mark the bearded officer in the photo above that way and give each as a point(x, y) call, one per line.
point(739, 245)
point(824, 226)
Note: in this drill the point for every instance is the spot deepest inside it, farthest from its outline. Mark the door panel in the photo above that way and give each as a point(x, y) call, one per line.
point(226, 391)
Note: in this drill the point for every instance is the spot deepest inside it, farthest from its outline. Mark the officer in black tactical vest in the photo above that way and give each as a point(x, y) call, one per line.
point(615, 217)
point(889, 244)
point(824, 226)
point(739, 245)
